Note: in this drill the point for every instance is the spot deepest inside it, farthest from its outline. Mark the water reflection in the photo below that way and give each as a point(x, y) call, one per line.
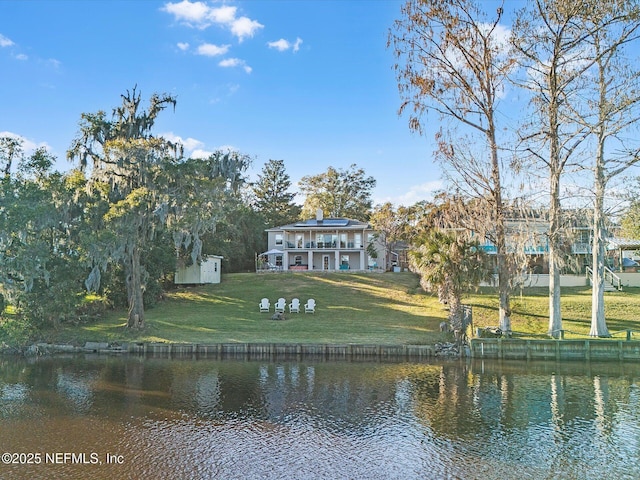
point(315, 419)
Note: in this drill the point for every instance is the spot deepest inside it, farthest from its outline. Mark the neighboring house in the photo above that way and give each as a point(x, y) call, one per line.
point(325, 244)
point(208, 271)
point(529, 236)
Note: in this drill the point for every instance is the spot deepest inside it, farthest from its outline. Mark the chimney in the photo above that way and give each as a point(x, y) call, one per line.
point(319, 215)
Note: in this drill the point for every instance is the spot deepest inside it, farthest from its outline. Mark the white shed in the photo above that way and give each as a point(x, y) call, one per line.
point(207, 272)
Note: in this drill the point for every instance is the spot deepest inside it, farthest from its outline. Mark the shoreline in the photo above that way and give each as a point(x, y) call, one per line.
point(246, 350)
point(478, 348)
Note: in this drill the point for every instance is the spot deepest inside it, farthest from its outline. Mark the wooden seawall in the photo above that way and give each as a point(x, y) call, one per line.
point(596, 350)
point(270, 350)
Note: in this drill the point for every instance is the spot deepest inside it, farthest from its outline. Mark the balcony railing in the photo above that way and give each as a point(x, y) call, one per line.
point(321, 246)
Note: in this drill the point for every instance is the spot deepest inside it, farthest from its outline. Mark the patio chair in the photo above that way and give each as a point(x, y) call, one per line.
point(280, 305)
point(294, 306)
point(264, 305)
point(310, 306)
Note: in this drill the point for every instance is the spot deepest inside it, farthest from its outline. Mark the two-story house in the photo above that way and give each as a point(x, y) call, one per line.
point(325, 244)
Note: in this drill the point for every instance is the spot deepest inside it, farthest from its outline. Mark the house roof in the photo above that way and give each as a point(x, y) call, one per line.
point(624, 244)
point(328, 223)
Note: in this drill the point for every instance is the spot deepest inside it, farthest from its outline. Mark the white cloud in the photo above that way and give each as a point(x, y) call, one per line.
point(200, 15)
point(5, 42)
point(199, 153)
point(193, 14)
point(223, 15)
point(415, 193)
point(235, 62)
point(245, 27)
point(280, 45)
point(189, 144)
point(211, 50)
point(283, 45)
point(184, 46)
point(227, 148)
point(21, 56)
point(28, 146)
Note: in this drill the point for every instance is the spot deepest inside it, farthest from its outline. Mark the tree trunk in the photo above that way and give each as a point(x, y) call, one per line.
point(555, 317)
point(501, 260)
point(455, 312)
point(133, 273)
point(598, 322)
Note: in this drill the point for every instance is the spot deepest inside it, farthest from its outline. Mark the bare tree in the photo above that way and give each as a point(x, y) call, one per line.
point(549, 36)
point(615, 112)
point(560, 42)
point(452, 61)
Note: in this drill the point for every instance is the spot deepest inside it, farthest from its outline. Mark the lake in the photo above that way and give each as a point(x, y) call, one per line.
point(133, 417)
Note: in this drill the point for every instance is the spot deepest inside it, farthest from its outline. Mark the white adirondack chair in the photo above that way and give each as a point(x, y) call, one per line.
point(294, 306)
point(280, 305)
point(310, 306)
point(264, 305)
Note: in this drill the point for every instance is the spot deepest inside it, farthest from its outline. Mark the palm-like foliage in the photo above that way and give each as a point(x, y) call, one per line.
point(450, 265)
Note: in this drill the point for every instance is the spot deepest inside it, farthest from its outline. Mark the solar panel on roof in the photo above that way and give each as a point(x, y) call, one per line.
point(337, 222)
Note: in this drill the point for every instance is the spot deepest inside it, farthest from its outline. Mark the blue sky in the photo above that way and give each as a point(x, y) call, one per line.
point(308, 82)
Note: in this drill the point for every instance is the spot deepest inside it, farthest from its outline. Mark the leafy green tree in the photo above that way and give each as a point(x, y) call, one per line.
point(10, 151)
point(339, 193)
point(126, 160)
point(144, 185)
point(272, 197)
point(40, 258)
point(450, 265)
point(238, 237)
point(391, 225)
point(630, 221)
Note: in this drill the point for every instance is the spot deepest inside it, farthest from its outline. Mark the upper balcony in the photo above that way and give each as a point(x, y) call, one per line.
point(321, 245)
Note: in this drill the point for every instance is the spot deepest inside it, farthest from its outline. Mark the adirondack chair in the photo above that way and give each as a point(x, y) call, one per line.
point(264, 305)
point(310, 306)
point(280, 305)
point(294, 306)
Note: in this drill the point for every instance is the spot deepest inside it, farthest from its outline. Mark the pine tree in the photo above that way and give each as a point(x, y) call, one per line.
point(272, 197)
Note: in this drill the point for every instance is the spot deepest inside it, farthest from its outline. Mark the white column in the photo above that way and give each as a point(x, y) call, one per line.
point(310, 260)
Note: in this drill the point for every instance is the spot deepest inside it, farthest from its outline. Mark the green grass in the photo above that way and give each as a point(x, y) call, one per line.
point(367, 308)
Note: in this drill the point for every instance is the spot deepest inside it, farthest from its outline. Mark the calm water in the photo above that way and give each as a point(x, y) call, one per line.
point(106, 417)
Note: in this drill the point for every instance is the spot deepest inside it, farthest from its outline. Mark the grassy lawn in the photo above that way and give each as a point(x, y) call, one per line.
point(367, 308)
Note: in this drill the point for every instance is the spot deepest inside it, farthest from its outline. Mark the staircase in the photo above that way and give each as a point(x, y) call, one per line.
point(612, 282)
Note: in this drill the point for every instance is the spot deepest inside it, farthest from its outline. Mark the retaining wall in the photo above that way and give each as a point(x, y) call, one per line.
point(271, 350)
point(622, 350)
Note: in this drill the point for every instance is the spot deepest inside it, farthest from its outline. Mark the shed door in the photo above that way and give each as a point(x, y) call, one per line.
point(208, 271)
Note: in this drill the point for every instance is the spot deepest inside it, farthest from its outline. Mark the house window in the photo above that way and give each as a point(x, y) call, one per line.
point(278, 260)
point(279, 239)
point(299, 240)
point(298, 259)
point(358, 239)
point(344, 260)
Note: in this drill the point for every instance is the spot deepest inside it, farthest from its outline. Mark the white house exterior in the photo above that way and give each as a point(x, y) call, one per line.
point(331, 244)
point(207, 272)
